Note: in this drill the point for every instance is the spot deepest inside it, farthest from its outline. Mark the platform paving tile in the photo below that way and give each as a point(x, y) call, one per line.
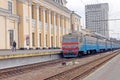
point(109, 71)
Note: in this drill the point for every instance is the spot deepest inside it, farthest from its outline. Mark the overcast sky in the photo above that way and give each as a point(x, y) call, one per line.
point(114, 12)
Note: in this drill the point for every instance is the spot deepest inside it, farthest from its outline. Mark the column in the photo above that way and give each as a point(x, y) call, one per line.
point(54, 27)
point(67, 26)
point(59, 33)
point(49, 28)
point(20, 6)
point(37, 26)
point(43, 28)
point(30, 23)
point(6, 33)
point(62, 25)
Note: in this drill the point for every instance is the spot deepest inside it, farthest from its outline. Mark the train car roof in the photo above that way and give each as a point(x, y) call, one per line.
point(99, 36)
point(77, 34)
point(86, 33)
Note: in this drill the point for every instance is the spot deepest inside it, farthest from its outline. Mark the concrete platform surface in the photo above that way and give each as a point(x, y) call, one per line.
point(109, 71)
point(10, 59)
point(8, 54)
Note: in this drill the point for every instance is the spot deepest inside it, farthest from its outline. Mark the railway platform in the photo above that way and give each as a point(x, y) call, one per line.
point(10, 59)
point(8, 54)
point(109, 71)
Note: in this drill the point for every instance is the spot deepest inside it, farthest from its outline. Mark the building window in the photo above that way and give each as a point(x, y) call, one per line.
point(46, 41)
point(57, 41)
point(54, 0)
point(46, 16)
point(33, 12)
point(60, 20)
point(40, 14)
point(33, 39)
point(10, 6)
point(51, 41)
point(11, 36)
point(64, 22)
point(51, 18)
point(56, 20)
point(40, 39)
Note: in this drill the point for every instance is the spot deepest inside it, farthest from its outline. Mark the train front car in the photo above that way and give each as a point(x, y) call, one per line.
point(70, 46)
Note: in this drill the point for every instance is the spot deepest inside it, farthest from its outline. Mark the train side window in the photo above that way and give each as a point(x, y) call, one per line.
point(80, 39)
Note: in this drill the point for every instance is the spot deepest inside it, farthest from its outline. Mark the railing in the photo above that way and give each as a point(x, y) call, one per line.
point(33, 23)
point(52, 29)
point(57, 30)
point(46, 27)
point(65, 30)
point(40, 25)
point(61, 29)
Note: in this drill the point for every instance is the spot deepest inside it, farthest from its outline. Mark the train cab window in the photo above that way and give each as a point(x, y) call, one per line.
point(65, 40)
point(74, 39)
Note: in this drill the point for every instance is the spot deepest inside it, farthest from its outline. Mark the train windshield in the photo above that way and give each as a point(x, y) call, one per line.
point(70, 39)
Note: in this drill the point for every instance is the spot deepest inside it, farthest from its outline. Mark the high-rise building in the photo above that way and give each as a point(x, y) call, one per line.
point(97, 18)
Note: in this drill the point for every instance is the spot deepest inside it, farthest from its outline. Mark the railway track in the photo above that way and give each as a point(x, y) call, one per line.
point(79, 72)
point(5, 73)
point(12, 72)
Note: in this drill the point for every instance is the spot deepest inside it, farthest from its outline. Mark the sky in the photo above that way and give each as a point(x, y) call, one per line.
point(114, 13)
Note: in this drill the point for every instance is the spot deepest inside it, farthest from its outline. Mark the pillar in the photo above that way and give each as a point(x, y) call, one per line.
point(30, 23)
point(54, 28)
point(49, 28)
point(59, 33)
point(37, 26)
point(43, 28)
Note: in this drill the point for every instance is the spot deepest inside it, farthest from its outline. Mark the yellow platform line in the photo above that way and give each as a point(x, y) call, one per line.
point(12, 56)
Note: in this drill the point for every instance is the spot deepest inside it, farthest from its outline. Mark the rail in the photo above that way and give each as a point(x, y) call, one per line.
point(81, 71)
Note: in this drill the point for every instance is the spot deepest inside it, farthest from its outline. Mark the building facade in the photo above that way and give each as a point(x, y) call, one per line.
point(33, 23)
point(75, 22)
point(97, 18)
point(8, 23)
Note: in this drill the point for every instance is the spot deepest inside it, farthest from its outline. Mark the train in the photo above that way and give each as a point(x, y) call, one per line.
point(77, 44)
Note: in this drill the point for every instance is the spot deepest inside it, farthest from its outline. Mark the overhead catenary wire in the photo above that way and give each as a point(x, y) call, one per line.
point(106, 20)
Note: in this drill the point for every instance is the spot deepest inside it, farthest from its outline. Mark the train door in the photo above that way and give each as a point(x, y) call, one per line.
point(84, 45)
point(111, 46)
point(105, 44)
point(97, 45)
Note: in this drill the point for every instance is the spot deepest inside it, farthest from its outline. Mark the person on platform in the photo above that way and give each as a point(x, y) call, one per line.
point(14, 46)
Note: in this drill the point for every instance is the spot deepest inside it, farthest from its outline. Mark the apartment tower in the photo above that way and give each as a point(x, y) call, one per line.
point(97, 18)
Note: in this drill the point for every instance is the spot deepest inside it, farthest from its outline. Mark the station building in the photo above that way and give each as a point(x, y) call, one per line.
point(75, 22)
point(9, 21)
point(33, 24)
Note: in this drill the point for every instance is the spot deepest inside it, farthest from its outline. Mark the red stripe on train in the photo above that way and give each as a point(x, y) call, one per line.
point(69, 43)
point(70, 48)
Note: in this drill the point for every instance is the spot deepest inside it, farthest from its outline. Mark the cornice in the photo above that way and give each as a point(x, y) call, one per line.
point(75, 14)
point(58, 5)
point(23, 1)
point(6, 13)
point(14, 17)
point(28, 2)
point(4, 10)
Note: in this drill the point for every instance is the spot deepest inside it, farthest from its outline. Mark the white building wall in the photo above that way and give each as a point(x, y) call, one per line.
point(96, 18)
